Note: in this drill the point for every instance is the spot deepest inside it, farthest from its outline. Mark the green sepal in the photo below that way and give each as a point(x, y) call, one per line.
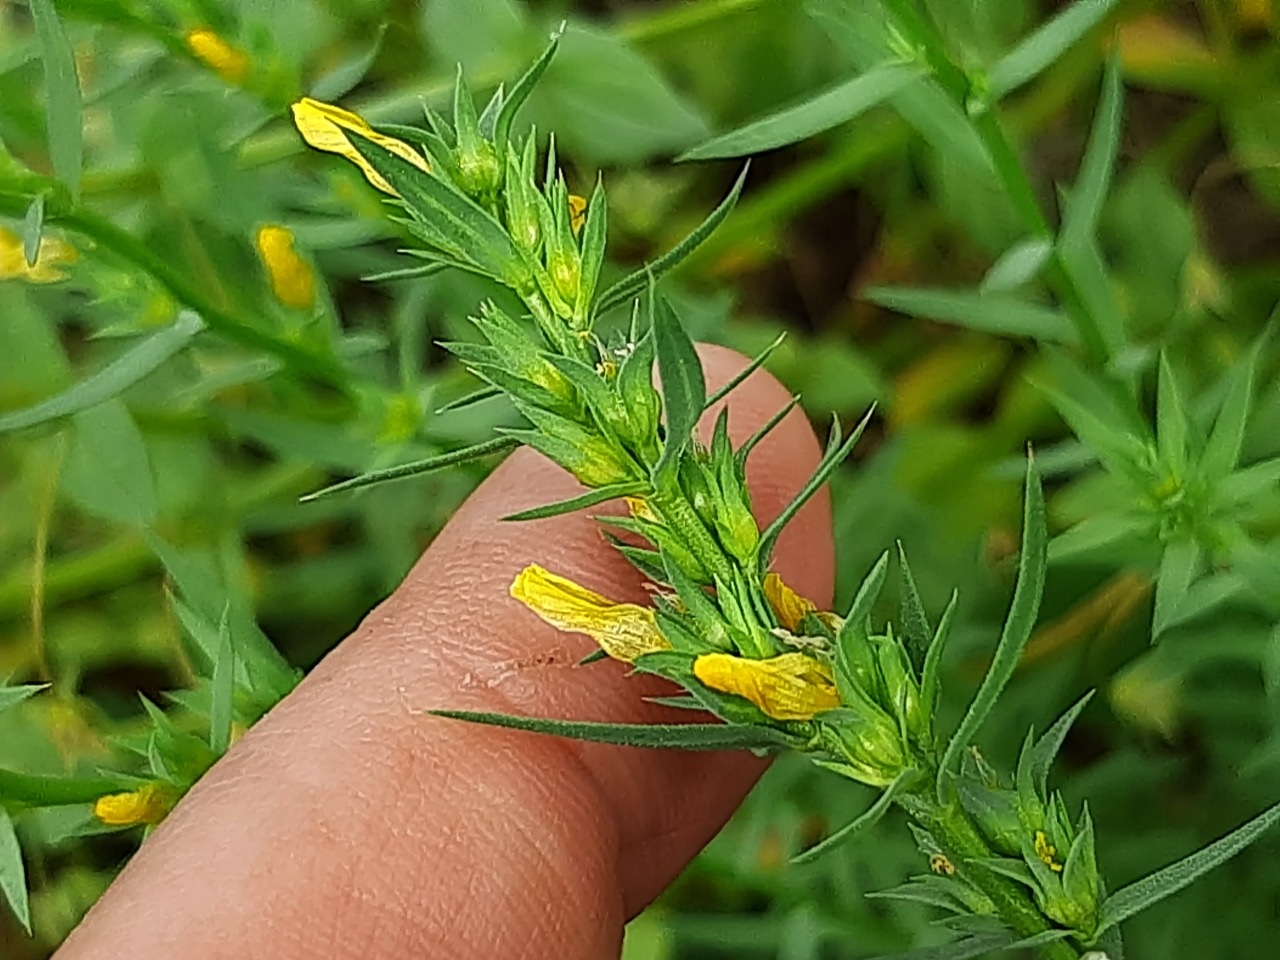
point(1017, 627)
point(912, 620)
point(692, 736)
point(594, 236)
point(930, 686)
point(995, 811)
point(684, 389)
point(701, 608)
point(856, 673)
point(591, 498)
point(631, 285)
point(1046, 748)
point(861, 824)
point(648, 562)
point(438, 462)
point(678, 667)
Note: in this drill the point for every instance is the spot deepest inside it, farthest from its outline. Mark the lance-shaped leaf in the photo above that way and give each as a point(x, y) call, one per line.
point(912, 620)
point(591, 498)
point(418, 467)
point(1043, 47)
point(63, 103)
point(737, 380)
point(39, 790)
point(12, 696)
point(633, 283)
point(475, 396)
point(111, 380)
point(998, 313)
point(1046, 748)
point(929, 684)
point(1017, 626)
point(684, 388)
point(513, 101)
point(861, 824)
point(222, 687)
point(828, 109)
point(1136, 897)
point(1080, 217)
point(837, 451)
point(1222, 450)
point(692, 736)
point(13, 875)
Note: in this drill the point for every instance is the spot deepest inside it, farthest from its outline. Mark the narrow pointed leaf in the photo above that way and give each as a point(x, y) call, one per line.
point(222, 687)
point(12, 696)
point(998, 313)
point(1171, 421)
point(1222, 450)
point(929, 684)
point(111, 380)
point(912, 620)
point(832, 107)
point(1046, 749)
point(476, 396)
point(861, 824)
point(38, 790)
point(1017, 627)
point(965, 949)
point(33, 231)
point(1080, 218)
point(1178, 567)
point(63, 106)
point(513, 101)
point(439, 462)
point(692, 736)
point(13, 875)
point(684, 389)
point(748, 370)
point(407, 273)
point(1017, 266)
point(766, 428)
point(591, 498)
point(631, 285)
point(1136, 897)
point(1043, 47)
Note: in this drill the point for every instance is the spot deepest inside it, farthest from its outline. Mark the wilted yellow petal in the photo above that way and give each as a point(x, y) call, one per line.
point(577, 211)
point(292, 279)
point(640, 509)
point(792, 686)
point(623, 630)
point(146, 806)
point(52, 253)
point(218, 55)
point(789, 606)
point(323, 126)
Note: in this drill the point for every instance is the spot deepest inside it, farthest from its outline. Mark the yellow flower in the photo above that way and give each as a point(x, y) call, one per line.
point(792, 686)
point(623, 630)
point(323, 126)
point(1046, 851)
point(51, 254)
point(291, 276)
point(226, 61)
point(790, 607)
point(640, 509)
point(146, 806)
point(577, 211)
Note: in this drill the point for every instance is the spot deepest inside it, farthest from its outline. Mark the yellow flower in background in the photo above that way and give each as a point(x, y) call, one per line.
point(577, 211)
point(146, 806)
point(292, 279)
point(51, 254)
point(789, 606)
point(792, 686)
point(226, 61)
point(623, 630)
point(324, 127)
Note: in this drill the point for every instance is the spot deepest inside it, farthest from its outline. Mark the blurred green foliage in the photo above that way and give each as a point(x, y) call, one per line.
point(136, 532)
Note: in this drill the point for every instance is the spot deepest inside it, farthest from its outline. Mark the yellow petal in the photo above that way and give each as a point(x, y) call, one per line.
point(147, 805)
point(291, 276)
point(792, 686)
point(790, 607)
point(577, 211)
point(218, 55)
point(623, 630)
point(323, 126)
point(52, 254)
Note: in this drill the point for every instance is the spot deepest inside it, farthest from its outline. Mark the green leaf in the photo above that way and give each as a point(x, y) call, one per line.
point(13, 874)
point(965, 949)
point(1222, 450)
point(1171, 421)
point(35, 790)
point(862, 823)
point(111, 380)
point(996, 313)
point(692, 736)
point(1080, 218)
point(912, 620)
point(1038, 51)
point(1138, 896)
point(1017, 266)
point(62, 95)
point(1099, 532)
point(407, 273)
point(929, 684)
point(438, 462)
point(800, 121)
point(476, 396)
point(1243, 485)
point(1178, 566)
point(12, 696)
point(589, 499)
point(223, 687)
point(33, 230)
point(739, 378)
point(1017, 626)
point(108, 470)
point(512, 103)
point(684, 389)
point(835, 455)
point(633, 283)
point(1046, 748)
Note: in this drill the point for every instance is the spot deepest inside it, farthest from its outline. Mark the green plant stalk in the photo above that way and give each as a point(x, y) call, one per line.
point(952, 828)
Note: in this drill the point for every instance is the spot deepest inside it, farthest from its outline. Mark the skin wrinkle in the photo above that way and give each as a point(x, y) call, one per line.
point(348, 815)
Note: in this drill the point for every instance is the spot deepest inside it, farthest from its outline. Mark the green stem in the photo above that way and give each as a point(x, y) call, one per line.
point(963, 844)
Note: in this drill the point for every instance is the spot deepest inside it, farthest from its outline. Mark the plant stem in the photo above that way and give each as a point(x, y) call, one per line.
point(960, 839)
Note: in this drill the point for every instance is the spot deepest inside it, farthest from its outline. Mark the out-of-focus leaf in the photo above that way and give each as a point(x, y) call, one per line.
point(1178, 567)
point(1038, 51)
point(1017, 266)
point(13, 875)
point(108, 471)
point(989, 312)
point(62, 95)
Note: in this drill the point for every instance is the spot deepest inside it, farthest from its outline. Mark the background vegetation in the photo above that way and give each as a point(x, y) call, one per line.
point(128, 528)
